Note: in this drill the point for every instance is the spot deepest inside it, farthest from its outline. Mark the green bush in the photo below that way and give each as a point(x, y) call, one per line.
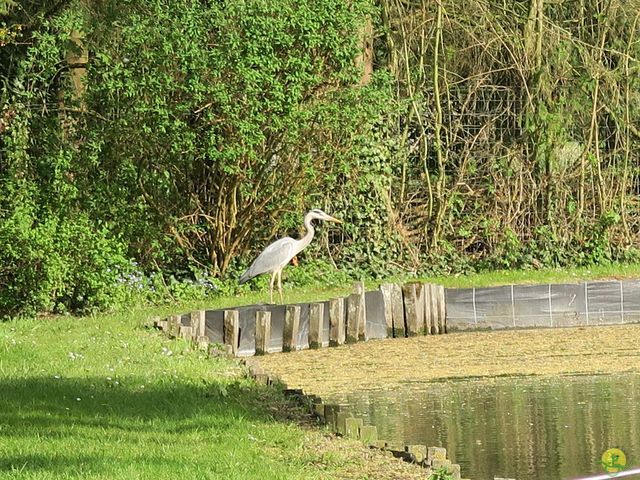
point(58, 265)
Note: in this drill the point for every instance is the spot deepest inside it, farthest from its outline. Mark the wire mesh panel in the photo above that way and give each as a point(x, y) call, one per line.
point(551, 305)
point(604, 303)
point(568, 305)
point(494, 308)
point(631, 301)
point(531, 304)
point(461, 312)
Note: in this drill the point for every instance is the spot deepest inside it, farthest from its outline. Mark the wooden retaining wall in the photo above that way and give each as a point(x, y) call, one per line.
point(391, 311)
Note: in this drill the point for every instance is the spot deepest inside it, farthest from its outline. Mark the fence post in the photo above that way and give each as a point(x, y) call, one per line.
point(316, 315)
point(231, 330)
point(436, 322)
point(386, 289)
point(356, 315)
point(291, 327)
point(336, 321)
point(410, 308)
point(397, 307)
point(197, 324)
point(263, 331)
point(442, 309)
point(429, 318)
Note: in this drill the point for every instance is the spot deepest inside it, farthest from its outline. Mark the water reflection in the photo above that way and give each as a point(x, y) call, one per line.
point(523, 428)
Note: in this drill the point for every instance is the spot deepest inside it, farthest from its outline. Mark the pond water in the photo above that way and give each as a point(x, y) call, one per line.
point(514, 427)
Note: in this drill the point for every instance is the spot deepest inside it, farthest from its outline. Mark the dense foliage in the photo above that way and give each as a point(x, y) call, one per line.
point(145, 143)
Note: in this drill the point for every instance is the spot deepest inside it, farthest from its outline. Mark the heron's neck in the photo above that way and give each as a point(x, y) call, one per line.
point(306, 239)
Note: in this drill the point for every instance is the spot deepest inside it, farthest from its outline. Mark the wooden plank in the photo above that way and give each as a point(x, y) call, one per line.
point(291, 327)
point(197, 324)
point(410, 308)
point(358, 289)
point(336, 322)
point(185, 332)
point(231, 330)
point(442, 310)
point(316, 316)
point(435, 321)
point(353, 302)
point(428, 320)
point(397, 309)
point(420, 310)
point(431, 319)
point(174, 325)
point(356, 315)
point(203, 342)
point(263, 331)
point(386, 289)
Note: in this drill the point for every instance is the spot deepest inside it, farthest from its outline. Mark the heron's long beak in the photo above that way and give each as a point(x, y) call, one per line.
point(333, 219)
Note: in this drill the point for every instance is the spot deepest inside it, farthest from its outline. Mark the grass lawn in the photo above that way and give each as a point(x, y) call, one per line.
point(108, 397)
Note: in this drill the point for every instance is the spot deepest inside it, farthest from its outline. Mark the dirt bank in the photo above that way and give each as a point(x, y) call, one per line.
point(381, 363)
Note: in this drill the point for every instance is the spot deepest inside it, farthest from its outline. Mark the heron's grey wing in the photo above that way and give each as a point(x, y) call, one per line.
point(275, 256)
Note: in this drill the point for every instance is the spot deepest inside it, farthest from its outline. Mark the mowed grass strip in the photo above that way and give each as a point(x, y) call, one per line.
point(110, 398)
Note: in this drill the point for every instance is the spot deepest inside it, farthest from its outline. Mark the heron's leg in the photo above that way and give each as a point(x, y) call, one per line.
point(280, 286)
point(273, 278)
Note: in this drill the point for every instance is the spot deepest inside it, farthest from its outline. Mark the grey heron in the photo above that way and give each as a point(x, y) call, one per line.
point(277, 255)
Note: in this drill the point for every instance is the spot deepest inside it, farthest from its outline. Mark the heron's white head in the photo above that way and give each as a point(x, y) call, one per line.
point(317, 214)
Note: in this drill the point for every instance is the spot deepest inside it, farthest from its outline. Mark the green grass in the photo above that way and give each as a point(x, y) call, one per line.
point(107, 397)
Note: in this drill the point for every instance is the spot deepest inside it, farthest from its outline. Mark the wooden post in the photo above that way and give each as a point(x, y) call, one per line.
point(435, 321)
point(431, 319)
point(410, 308)
point(185, 332)
point(231, 330)
point(291, 327)
point(176, 324)
point(386, 289)
point(428, 317)
point(420, 307)
point(397, 309)
point(197, 324)
point(263, 331)
point(356, 315)
point(442, 310)
point(77, 60)
point(316, 315)
point(336, 321)
point(353, 302)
